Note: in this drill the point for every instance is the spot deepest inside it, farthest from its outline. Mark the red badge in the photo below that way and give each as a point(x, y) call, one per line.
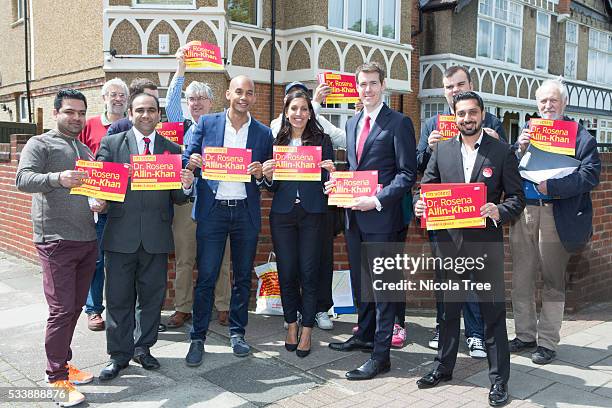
point(487, 172)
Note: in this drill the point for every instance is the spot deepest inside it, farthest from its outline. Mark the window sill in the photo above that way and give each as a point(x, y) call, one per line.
point(363, 35)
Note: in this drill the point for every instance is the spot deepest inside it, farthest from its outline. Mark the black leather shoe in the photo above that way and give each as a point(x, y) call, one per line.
point(147, 361)
point(543, 355)
point(517, 345)
point(352, 344)
point(432, 379)
point(498, 395)
point(111, 371)
point(368, 370)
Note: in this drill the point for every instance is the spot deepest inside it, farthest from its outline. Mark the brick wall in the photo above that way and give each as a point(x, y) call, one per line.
point(590, 272)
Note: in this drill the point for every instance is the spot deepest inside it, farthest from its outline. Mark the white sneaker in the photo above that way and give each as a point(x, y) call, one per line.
point(299, 321)
point(323, 321)
point(476, 347)
point(433, 343)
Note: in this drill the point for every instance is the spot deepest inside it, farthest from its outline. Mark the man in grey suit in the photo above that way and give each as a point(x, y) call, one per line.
point(136, 241)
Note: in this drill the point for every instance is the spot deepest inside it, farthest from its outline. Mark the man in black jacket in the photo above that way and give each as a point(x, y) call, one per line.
point(456, 79)
point(474, 157)
point(136, 242)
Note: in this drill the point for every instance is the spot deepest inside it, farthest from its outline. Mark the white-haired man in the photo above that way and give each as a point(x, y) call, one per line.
point(547, 232)
point(199, 102)
point(115, 94)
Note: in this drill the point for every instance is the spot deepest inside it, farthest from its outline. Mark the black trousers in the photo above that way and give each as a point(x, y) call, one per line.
point(135, 291)
point(326, 267)
point(375, 319)
point(295, 236)
point(493, 310)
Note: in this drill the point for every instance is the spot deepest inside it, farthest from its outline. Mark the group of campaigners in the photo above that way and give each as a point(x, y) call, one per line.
point(128, 254)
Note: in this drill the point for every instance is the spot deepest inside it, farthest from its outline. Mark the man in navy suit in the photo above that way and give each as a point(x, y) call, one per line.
point(225, 209)
point(378, 138)
point(548, 232)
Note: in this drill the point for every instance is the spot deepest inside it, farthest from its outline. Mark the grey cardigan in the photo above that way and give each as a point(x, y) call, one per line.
point(55, 213)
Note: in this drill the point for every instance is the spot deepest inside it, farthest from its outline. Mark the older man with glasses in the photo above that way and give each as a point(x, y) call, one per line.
point(199, 102)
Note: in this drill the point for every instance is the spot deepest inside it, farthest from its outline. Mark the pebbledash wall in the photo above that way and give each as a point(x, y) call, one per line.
point(590, 272)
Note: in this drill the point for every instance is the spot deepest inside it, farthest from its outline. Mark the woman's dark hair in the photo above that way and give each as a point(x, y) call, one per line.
point(313, 134)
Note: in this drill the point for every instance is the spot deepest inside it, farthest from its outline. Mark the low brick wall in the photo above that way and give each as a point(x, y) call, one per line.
point(590, 272)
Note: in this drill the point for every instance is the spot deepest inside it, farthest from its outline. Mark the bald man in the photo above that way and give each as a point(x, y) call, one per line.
point(224, 208)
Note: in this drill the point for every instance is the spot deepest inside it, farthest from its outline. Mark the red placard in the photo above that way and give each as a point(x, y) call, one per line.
point(107, 180)
point(555, 136)
point(297, 163)
point(227, 164)
point(156, 171)
point(447, 126)
point(173, 131)
point(344, 87)
point(199, 54)
point(453, 205)
point(350, 185)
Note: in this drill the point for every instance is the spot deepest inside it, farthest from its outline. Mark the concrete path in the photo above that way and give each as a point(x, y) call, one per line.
point(580, 377)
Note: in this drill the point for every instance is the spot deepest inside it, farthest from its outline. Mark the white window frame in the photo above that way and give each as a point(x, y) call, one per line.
point(192, 6)
point(491, 19)
point(259, 8)
point(542, 37)
point(571, 43)
point(24, 117)
point(363, 33)
point(601, 52)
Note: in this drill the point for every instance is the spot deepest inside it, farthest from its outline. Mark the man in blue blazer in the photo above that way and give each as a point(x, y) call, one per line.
point(380, 139)
point(225, 209)
point(548, 232)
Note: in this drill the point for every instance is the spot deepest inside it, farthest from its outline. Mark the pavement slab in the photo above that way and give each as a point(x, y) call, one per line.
point(581, 376)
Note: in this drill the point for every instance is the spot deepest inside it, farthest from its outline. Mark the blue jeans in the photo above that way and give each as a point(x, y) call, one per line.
point(472, 318)
point(96, 289)
point(211, 234)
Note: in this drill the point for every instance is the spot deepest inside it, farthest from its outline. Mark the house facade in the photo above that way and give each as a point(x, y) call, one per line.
point(511, 46)
point(138, 38)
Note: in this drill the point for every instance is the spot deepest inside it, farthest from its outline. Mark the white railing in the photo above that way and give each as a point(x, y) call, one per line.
point(582, 94)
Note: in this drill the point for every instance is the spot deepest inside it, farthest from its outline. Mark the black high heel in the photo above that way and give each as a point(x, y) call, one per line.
point(289, 346)
point(303, 353)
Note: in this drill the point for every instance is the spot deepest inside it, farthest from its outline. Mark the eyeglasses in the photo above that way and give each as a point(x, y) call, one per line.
point(114, 95)
point(197, 98)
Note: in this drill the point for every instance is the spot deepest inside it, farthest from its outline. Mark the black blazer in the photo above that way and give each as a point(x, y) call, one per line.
point(446, 166)
point(391, 149)
point(144, 216)
point(312, 197)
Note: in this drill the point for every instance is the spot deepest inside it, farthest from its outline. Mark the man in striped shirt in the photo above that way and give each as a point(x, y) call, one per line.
point(199, 102)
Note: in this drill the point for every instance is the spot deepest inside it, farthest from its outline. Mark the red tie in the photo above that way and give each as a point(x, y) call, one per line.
point(363, 136)
point(147, 141)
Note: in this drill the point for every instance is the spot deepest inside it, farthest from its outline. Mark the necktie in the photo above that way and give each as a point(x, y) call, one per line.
point(147, 141)
point(363, 136)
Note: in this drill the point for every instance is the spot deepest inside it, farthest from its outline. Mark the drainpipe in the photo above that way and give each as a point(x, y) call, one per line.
point(26, 5)
point(272, 58)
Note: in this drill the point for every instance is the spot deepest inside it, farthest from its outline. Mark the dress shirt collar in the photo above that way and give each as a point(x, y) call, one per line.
point(373, 114)
point(228, 122)
point(140, 136)
point(478, 142)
